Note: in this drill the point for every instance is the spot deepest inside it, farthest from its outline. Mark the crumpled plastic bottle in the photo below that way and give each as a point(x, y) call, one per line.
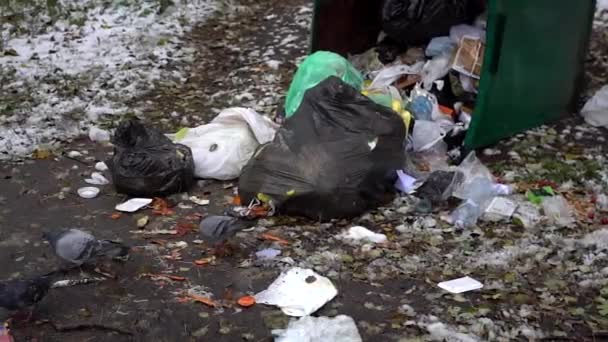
point(466, 215)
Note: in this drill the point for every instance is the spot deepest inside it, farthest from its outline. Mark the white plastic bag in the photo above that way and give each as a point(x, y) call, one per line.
point(222, 147)
point(388, 76)
point(341, 328)
point(595, 110)
point(436, 68)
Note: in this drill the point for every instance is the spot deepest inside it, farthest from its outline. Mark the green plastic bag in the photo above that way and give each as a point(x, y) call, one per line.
point(316, 68)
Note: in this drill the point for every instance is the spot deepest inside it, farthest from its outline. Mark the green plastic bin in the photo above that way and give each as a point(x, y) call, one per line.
point(533, 66)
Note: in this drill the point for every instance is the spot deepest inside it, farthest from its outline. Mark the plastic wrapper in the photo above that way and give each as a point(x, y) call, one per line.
point(316, 68)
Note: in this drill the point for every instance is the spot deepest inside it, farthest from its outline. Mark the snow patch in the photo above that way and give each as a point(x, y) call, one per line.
point(86, 65)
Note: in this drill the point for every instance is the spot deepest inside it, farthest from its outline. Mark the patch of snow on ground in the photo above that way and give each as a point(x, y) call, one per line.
point(71, 74)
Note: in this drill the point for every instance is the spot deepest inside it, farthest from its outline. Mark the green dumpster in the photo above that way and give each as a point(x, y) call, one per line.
point(533, 65)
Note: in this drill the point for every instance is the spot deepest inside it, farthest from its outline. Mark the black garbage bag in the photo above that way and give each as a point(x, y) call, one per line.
point(416, 22)
point(336, 157)
point(147, 163)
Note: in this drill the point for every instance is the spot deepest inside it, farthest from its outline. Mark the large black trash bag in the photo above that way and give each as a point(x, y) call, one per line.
point(147, 163)
point(416, 22)
point(336, 157)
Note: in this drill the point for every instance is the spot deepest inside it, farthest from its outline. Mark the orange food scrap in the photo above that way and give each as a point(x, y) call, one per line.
point(236, 200)
point(246, 301)
point(115, 216)
point(270, 237)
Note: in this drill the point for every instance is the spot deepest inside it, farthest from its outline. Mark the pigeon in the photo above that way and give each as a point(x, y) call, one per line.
point(78, 247)
point(20, 294)
point(217, 229)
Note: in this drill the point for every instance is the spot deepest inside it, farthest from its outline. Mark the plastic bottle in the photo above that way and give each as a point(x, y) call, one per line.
point(466, 215)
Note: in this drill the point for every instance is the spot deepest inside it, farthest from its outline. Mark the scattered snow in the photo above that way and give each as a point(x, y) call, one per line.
point(87, 65)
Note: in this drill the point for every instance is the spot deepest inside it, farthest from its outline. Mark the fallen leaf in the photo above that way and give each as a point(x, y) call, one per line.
point(183, 300)
point(159, 242)
point(115, 216)
point(270, 237)
point(41, 154)
point(207, 301)
point(184, 228)
point(160, 206)
point(246, 301)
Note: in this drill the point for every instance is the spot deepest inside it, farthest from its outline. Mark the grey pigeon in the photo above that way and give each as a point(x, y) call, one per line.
point(217, 229)
point(19, 294)
point(78, 247)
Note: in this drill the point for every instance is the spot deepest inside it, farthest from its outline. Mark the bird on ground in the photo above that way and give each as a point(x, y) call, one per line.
point(78, 247)
point(19, 294)
point(216, 230)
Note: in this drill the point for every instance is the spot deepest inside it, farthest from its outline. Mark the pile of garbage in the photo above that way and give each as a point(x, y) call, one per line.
point(352, 133)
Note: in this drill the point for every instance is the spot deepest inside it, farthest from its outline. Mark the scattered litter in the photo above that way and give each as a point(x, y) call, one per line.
point(74, 282)
point(363, 234)
point(461, 285)
point(155, 232)
point(88, 192)
point(469, 57)
point(178, 245)
point(246, 301)
point(268, 254)
point(557, 209)
point(101, 166)
point(97, 134)
point(133, 205)
point(341, 328)
point(204, 261)
point(500, 208)
point(97, 179)
point(199, 201)
point(298, 292)
point(74, 154)
point(270, 237)
point(168, 277)
point(595, 110)
point(143, 221)
point(405, 183)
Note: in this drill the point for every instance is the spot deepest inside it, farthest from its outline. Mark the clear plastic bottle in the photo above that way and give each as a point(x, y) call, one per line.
point(466, 215)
